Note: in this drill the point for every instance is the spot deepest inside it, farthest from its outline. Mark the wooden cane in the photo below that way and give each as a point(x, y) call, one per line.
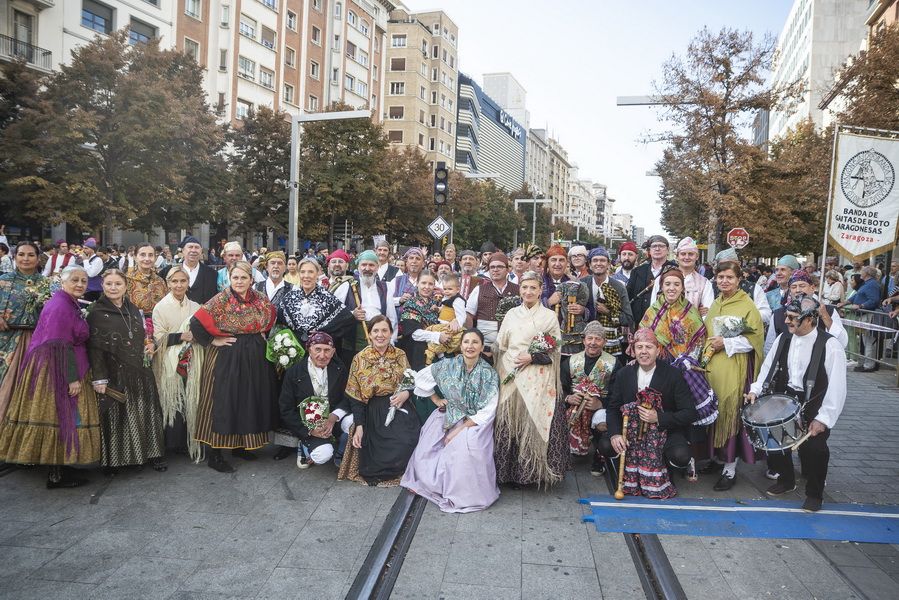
point(619, 493)
point(355, 287)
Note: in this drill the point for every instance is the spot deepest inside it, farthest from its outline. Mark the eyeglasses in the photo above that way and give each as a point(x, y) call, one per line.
point(658, 247)
point(790, 318)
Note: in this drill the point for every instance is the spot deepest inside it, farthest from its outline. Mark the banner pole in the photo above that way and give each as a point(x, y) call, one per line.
point(833, 159)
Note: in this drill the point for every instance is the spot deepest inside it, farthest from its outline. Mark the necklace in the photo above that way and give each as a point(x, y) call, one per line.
point(127, 323)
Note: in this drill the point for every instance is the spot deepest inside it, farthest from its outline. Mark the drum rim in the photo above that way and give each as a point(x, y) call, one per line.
point(776, 422)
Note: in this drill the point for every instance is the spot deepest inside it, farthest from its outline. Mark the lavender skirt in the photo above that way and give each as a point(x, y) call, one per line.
point(459, 477)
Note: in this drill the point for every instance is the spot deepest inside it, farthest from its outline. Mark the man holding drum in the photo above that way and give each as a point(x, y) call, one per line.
point(809, 364)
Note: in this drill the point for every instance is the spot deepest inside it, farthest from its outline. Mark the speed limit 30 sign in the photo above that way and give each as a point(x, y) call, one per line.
point(438, 228)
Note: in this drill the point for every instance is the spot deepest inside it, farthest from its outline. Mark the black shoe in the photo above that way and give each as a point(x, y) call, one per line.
point(217, 463)
point(724, 483)
point(159, 464)
point(812, 504)
point(598, 468)
point(283, 452)
point(861, 369)
point(243, 453)
point(780, 488)
point(67, 481)
point(304, 461)
point(711, 467)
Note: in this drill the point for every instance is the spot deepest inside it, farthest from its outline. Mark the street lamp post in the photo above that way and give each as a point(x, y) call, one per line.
point(294, 184)
point(535, 202)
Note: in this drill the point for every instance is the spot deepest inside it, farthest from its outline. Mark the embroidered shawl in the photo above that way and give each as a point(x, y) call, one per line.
point(423, 310)
point(466, 392)
point(375, 374)
point(304, 312)
point(145, 290)
point(678, 327)
point(229, 314)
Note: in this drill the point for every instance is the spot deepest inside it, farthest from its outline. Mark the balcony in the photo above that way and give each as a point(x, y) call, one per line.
point(42, 4)
point(12, 49)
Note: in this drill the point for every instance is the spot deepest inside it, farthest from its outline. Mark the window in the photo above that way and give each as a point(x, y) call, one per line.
point(395, 112)
point(433, 120)
point(288, 93)
point(317, 4)
point(338, 10)
point(220, 107)
point(267, 78)
point(421, 117)
point(424, 70)
point(223, 60)
point(362, 58)
point(351, 50)
point(272, 4)
point(351, 18)
point(291, 20)
point(314, 70)
point(442, 146)
point(452, 61)
point(313, 103)
point(395, 137)
point(192, 49)
point(246, 68)
point(398, 41)
point(268, 38)
point(433, 97)
point(349, 82)
point(96, 16)
point(421, 140)
point(247, 27)
point(449, 126)
point(192, 8)
point(442, 122)
point(397, 88)
point(434, 74)
point(374, 100)
point(335, 75)
point(436, 28)
point(431, 144)
point(336, 45)
point(444, 55)
point(397, 64)
point(361, 88)
point(140, 32)
point(226, 15)
point(317, 36)
point(422, 93)
point(243, 109)
point(290, 56)
point(424, 47)
point(436, 51)
point(374, 72)
point(363, 27)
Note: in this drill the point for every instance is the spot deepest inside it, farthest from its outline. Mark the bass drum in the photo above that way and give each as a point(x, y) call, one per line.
point(774, 422)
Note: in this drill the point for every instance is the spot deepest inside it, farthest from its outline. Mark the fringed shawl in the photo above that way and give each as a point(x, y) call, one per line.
point(319, 309)
point(145, 290)
point(228, 314)
point(61, 333)
point(375, 374)
point(466, 392)
point(678, 327)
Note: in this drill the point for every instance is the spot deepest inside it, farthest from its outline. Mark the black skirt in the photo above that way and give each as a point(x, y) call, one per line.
point(245, 388)
point(386, 450)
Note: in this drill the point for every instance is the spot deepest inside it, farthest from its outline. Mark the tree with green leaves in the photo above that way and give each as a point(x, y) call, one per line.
point(117, 137)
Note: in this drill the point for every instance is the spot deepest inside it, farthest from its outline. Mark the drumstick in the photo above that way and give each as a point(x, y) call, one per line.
point(619, 493)
point(801, 440)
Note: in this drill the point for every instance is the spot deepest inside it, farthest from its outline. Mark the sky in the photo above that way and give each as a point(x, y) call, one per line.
point(574, 57)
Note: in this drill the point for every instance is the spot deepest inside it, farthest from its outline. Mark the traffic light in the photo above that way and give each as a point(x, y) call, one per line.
point(441, 184)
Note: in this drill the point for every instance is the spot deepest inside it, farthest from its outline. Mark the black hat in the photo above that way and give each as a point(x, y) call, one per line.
point(189, 239)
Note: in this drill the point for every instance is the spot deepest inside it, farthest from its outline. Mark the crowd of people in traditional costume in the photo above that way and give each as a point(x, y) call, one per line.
point(450, 374)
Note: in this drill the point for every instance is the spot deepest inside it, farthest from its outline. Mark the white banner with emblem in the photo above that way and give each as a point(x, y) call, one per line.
point(864, 206)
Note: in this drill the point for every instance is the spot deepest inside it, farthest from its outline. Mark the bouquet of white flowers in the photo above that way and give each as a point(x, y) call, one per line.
point(726, 326)
point(283, 349)
point(407, 384)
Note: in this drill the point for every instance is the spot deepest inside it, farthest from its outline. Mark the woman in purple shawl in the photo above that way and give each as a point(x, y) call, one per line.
point(53, 418)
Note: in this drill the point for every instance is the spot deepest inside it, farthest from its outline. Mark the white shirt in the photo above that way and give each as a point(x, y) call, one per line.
point(471, 305)
point(644, 377)
point(382, 269)
point(93, 265)
point(371, 302)
point(271, 289)
point(394, 284)
point(425, 385)
point(698, 290)
point(319, 377)
point(342, 292)
point(761, 303)
point(655, 282)
point(798, 359)
point(191, 273)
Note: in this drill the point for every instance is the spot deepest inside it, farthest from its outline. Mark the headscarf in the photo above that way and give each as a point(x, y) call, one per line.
point(788, 260)
point(555, 250)
point(498, 257)
point(466, 392)
point(412, 251)
point(232, 246)
point(687, 243)
point(801, 275)
point(320, 337)
point(582, 250)
point(628, 247)
point(276, 254)
point(678, 327)
point(598, 251)
point(645, 334)
point(339, 254)
point(726, 255)
point(367, 255)
point(189, 239)
point(532, 251)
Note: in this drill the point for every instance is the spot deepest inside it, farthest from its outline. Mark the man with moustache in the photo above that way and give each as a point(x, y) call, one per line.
point(485, 298)
point(386, 271)
point(449, 255)
point(232, 253)
point(374, 299)
point(828, 318)
point(577, 256)
point(779, 295)
point(274, 287)
point(608, 303)
point(557, 274)
point(203, 280)
point(627, 257)
point(468, 279)
point(643, 284)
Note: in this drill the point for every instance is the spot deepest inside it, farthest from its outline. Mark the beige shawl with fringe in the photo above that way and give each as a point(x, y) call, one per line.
point(528, 402)
point(176, 395)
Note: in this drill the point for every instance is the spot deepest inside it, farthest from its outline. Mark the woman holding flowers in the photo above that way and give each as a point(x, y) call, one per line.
point(52, 417)
point(22, 294)
point(531, 435)
point(385, 425)
point(452, 466)
point(131, 419)
point(733, 356)
point(238, 387)
point(177, 364)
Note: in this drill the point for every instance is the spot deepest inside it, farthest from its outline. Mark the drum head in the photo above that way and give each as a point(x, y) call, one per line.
point(770, 410)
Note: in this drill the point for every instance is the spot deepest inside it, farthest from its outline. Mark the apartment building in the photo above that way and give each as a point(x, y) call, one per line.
point(421, 79)
point(581, 202)
point(558, 177)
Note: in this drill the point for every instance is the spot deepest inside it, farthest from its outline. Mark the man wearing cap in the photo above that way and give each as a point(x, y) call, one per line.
point(811, 365)
point(753, 290)
point(607, 302)
point(373, 300)
point(697, 289)
point(231, 253)
point(60, 260)
point(338, 279)
point(274, 287)
point(320, 374)
point(487, 250)
point(484, 299)
point(203, 280)
point(93, 266)
point(556, 281)
point(468, 279)
point(577, 256)
point(627, 259)
point(828, 318)
point(386, 271)
point(643, 284)
point(779, 295)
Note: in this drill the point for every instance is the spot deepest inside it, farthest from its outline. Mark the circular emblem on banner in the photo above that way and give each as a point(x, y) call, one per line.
point(867, 179)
